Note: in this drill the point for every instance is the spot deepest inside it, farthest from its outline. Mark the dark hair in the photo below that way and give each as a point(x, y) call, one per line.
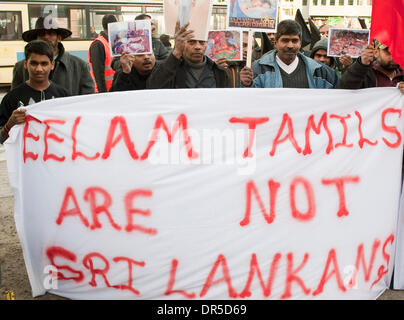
point(288, 27)
point(108, 18)
point(38, 47)
point(143, 16)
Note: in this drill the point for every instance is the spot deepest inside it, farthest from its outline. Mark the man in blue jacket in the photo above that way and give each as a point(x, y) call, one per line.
point(286, 67)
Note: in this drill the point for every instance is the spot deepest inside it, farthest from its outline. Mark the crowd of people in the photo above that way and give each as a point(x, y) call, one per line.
point(48, 71)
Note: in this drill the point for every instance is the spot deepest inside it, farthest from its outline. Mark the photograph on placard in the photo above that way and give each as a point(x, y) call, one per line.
point(224, 44)
point(131, 36)
point(259, 15)
point(196, 12)
point(347, 42)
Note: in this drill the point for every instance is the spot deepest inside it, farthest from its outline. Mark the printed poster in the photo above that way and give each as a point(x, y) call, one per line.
point(225, 44)
point(347, 41)
point(132, 36)
point(196, 12)
point(259, 15)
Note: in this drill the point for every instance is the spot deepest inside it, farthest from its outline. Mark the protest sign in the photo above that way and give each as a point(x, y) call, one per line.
point(131, 36)
point(225, 44)
point(257, 15)
point(141, 195)
point(347, 41)
point(196, 12)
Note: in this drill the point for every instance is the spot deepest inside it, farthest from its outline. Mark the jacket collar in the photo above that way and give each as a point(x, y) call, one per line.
point(62, 57)
point(209, 62)
point(270, 60)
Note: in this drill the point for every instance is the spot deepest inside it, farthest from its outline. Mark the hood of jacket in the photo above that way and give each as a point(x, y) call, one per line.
point(322, 44)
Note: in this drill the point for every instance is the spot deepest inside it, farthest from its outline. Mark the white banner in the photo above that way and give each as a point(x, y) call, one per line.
point(210, 193)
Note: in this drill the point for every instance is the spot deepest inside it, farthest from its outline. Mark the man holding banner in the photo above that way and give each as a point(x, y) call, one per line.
point(38, 63)
point(188, 66)
point(286, 67)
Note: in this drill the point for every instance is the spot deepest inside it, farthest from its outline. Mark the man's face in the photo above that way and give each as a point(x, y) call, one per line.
point(288, 47)
point(385, 60)
point(144, 63)
point(51, 37)
point(271, 37)
point(39, 67)
point(324, 31)
point(245, 45)
point(153, 25)
point(194, 50)
point(321, 56)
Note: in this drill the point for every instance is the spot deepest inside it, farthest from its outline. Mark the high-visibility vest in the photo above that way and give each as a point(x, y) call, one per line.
point(108, 71)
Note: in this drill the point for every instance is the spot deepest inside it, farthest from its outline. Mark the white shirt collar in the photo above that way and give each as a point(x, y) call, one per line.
point(287, 68)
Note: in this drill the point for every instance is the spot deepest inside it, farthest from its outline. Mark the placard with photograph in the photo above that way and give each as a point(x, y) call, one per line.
point(257, 15)
point(131, 36)
point(196, 12)
point(225, 44)
point(347, 42)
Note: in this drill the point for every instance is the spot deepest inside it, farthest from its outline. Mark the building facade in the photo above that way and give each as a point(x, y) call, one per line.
point(342, 13)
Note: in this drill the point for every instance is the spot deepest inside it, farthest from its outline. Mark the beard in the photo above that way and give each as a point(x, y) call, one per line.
point(389, 66)
point(54, 45)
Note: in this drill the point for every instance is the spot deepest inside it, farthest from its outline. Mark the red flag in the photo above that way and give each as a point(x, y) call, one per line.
point(387, 26)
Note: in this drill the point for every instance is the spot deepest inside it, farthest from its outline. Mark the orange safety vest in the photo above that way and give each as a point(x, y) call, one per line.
point(108, 71)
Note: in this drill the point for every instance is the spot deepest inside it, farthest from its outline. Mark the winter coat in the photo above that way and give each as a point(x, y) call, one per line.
point(171, 74)
point(267, 73)
point(359, 76)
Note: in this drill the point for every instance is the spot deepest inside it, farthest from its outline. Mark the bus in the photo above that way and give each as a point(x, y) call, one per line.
point(82, 18)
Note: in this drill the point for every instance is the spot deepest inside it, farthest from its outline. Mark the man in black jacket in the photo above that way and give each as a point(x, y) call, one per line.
point(160, 51)
point(134, 73)
point(70, 72)
point(188, 66)
point(374, 68)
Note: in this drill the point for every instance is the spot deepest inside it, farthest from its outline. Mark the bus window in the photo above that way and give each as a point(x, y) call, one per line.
point(96, 15)
point(71, 17)
point(218, 19)
point(130, 13)
point(157, 15)
point(10, 25)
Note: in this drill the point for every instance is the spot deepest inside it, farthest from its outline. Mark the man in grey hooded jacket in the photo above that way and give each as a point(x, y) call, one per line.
point(319, 53)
